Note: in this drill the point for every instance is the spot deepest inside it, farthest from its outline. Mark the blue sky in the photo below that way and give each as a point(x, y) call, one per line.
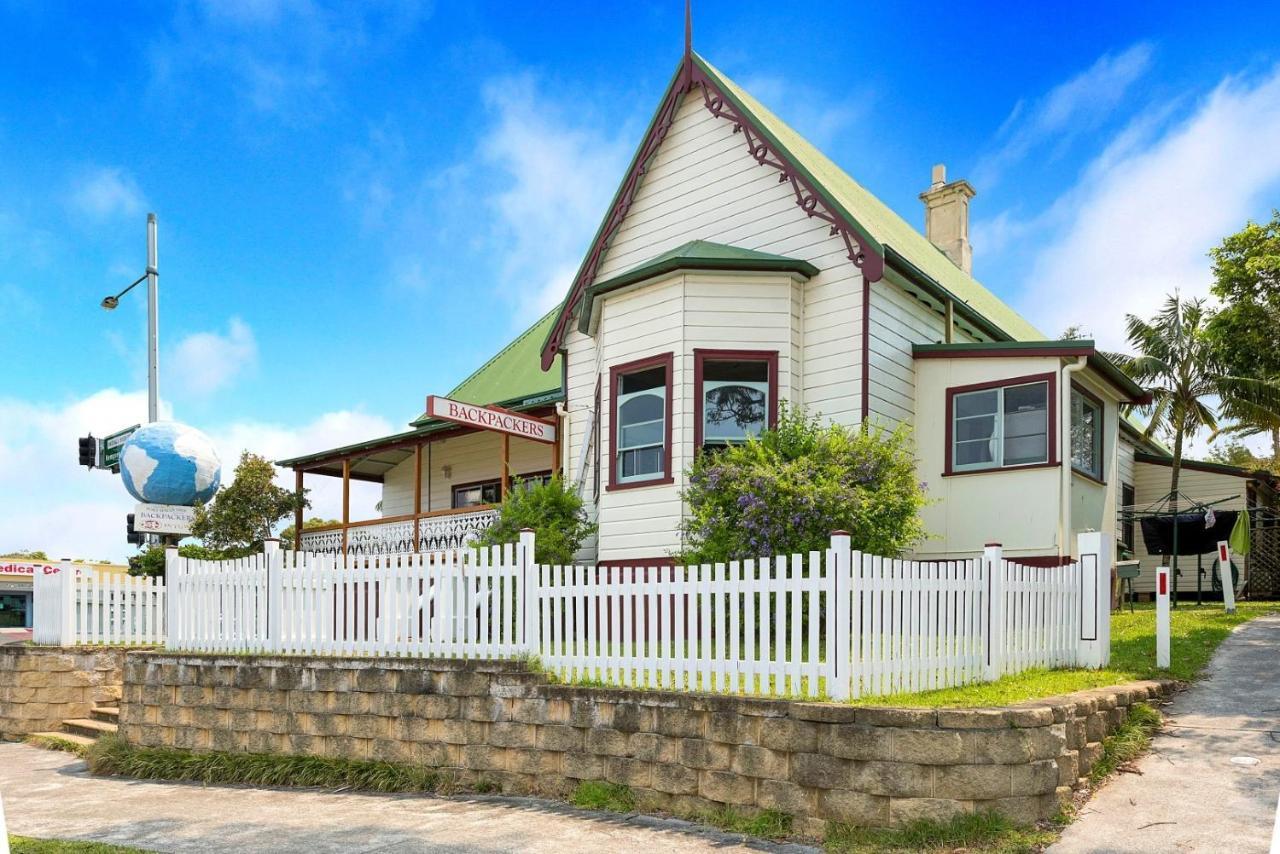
point(359, 202)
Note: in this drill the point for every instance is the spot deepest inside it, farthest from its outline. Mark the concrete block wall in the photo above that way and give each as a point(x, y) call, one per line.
point(41, 686)
point(682, 753)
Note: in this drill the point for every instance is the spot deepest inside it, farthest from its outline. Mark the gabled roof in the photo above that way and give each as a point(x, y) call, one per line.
point(874, 233)
point(695, 255)
point(513, 377)
point(879, 220)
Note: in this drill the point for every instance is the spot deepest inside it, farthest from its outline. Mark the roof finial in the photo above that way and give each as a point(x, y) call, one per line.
point(688, 27)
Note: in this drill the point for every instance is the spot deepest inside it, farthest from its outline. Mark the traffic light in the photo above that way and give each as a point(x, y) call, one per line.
point(133, 537)
point(88, 451)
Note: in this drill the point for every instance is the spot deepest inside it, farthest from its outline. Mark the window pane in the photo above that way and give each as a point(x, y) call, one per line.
point(976, 403)
point(733, 410)
point(644, 407)
point(634, 436)
point(980, 427)
point(1086, 444)
point(642, 380)
point(1026, 424)
point(644, 461)
point(974, 453)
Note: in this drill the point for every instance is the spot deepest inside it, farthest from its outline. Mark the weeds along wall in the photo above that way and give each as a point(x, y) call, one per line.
point(501, 723)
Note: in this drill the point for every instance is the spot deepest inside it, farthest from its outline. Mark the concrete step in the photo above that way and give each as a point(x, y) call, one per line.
point(82, 740)
point(106, 714)
point(88, 727)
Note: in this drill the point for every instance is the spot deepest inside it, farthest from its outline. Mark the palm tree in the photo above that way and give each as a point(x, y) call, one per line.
point(1178, 365)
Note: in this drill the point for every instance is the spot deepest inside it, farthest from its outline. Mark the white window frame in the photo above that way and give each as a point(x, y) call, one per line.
point(998, 435)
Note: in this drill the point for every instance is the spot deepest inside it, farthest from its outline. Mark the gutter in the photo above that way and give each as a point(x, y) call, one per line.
point(1064, 452)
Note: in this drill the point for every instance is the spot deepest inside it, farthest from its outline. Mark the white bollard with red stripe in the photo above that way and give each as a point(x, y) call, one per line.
point(1224, 573)
point(1162, 616)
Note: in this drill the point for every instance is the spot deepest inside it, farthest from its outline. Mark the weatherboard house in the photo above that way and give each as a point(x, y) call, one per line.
point(737, 263)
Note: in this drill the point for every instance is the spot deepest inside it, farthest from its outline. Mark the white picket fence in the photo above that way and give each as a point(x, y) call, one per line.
point(834, 623)
point(73, 606)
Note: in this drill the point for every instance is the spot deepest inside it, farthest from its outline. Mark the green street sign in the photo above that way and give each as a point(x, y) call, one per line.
point(111, 446)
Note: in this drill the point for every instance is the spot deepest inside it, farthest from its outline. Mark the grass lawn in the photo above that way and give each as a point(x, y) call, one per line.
point(1195, 633)
point(26, 845)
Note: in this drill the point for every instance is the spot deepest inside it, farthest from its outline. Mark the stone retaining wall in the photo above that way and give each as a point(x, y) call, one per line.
point(681, 753)
point(40, 686)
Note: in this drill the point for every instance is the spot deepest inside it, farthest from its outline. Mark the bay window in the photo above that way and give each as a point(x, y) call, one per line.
point(1000, 425)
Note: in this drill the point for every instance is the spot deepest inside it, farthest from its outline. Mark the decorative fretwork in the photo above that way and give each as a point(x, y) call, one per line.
point(434, 534)
point(808, 197)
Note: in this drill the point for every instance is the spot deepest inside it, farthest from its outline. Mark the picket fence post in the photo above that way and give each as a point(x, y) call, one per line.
point(840, 686)
point(993, 569)
point(67, 603)
point(1094, 552)
point(171, 618)
point(528, 599)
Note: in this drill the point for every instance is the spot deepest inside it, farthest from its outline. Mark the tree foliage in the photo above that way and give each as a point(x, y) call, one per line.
point(243, 514)
point(556, 514)
point(286, 536)
point(150, 561)
point(1180, 368)
point(1246, 273)
point(37, 554)
point(786, 490)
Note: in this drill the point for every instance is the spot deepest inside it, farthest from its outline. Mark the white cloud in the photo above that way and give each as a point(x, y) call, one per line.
point(107, 192)
point(1070, 109)
point(279, 57)
point(1141, 219)
point(558, 175)
point(50, 503)
point(205, 362)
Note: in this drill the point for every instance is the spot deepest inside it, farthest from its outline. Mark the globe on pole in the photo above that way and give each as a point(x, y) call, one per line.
point(170, 463)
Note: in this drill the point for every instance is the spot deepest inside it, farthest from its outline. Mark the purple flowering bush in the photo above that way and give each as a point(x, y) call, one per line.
point(787, 490)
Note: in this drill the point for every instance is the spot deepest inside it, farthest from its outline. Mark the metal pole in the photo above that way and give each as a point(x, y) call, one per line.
point(153, 324)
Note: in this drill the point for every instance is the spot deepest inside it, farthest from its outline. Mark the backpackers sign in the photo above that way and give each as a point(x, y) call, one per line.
point(491, 418)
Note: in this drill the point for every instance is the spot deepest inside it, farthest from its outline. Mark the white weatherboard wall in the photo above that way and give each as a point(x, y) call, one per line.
point(1093, 504)
point(680, 314)
point(704, 185)
point(470, 457)
point(1018, 508)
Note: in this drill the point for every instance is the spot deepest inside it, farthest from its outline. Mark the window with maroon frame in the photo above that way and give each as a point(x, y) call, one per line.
point(735, 396)
point(1000, 427)
point(640, 434)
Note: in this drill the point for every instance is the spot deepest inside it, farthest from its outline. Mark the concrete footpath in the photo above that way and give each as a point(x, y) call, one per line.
point(50, 795)
point(1212, 779)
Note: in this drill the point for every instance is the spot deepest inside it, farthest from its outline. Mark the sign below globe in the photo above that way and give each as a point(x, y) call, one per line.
point(170, 463)
point(163, 518)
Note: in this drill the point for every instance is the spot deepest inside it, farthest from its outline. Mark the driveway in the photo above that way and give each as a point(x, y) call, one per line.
point(1211, 780)
point(51, 795)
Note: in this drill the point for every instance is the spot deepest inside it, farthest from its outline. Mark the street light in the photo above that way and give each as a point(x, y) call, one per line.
point(152, 277)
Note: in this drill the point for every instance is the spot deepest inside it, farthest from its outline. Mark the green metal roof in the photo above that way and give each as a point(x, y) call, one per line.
point(877, 218)
point(695, 255)
point(514, 377)
point(1072, 347)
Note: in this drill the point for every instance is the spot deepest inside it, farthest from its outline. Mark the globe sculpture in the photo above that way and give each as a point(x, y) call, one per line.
point(169, 463)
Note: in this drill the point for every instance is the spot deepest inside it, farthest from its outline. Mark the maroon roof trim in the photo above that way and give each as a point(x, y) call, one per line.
point(809, 196)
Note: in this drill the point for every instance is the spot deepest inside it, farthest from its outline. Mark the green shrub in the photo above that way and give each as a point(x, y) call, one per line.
point(556, 514)
point(787, 490)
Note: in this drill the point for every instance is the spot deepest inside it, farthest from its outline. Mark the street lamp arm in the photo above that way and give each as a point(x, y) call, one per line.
point(111, 302)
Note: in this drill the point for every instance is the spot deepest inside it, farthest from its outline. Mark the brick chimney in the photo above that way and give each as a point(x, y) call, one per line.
point(946, 217)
